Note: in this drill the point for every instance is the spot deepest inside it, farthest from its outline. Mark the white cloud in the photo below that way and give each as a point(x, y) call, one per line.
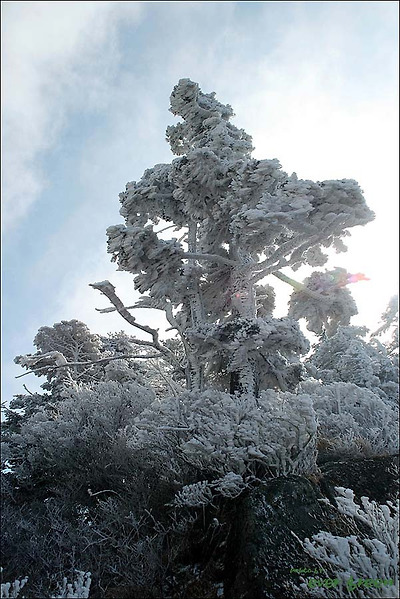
point(57, 57)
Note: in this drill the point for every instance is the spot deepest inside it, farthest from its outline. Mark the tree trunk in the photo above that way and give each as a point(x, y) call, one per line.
point(196, 316)
point(243, 306)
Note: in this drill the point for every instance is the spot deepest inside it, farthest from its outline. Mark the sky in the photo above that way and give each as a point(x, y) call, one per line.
point(85, 105)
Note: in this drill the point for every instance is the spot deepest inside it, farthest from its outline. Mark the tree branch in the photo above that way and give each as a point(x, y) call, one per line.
point(298, 286)
point(107, 289)
point(210, 258)
point(102, 361)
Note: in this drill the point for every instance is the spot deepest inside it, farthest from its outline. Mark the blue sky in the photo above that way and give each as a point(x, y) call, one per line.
point(85, 103)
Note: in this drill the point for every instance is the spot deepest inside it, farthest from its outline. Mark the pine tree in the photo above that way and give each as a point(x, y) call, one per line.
point(238, 220)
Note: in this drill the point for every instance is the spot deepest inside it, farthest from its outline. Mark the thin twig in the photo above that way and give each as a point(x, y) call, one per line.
point(298, 286)
point(26, 389)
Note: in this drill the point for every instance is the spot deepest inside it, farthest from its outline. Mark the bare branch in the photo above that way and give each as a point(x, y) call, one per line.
point(134, 307)
point(107, 289)
point(177, 228)
point(174, 428)
point(176, 391)
point(90, 492)
point(26, 389)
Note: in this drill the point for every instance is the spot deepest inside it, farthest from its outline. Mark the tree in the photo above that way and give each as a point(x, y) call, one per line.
point(390, 326)
point(66, 341)
point(72, 358)
point(239, 220)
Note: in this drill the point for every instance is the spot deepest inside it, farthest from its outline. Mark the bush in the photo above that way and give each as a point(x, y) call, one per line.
point(352, 421)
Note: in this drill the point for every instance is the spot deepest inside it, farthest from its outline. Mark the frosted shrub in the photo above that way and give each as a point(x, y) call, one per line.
point(198, 494)
point(11, 590)
point(230, 485)
point(354, 558)
point(194, 495)
point(79, 589)
point(383, 519)
point(347, 357)
point(353, 421)
point(86, 418)
point(220, 433)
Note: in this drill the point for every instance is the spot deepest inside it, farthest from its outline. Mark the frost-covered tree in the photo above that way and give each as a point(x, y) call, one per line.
point(390, 325)
point(237, 221)
point(65, 341)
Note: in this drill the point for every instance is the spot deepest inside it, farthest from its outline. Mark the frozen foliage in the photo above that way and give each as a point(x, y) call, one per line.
point(329, 305)
point(87, 360)
point(70, 337)
point(218, 433)
point(270, 345)
point(198, 494)
point(348, 357)
point(374, 558)
point(79, 589)
point(83, 433)
point(265, 300)
point(140, 250)
point(195, 495)
point(382, 519)
point(11, 590)
point(65, 341)
point(387, 334)
point(86, 356)
point(353, 421)
point(230, 485)
point(390, 319)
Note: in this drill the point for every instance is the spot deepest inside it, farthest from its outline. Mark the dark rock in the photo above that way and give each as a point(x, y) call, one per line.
point(376, 478)
point(264, 543)
point(253, 551)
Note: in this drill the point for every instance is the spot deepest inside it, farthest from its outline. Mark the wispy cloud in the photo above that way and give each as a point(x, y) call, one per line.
point(51, 53)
